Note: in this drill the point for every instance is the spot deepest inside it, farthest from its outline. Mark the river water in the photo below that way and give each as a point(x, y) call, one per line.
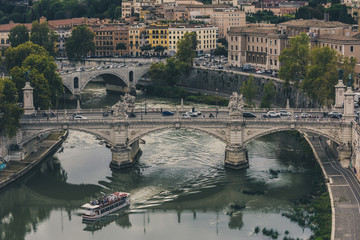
point(179, 190)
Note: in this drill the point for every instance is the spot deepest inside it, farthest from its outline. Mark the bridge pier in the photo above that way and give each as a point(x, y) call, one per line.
point(236, 157)
point(125, 156)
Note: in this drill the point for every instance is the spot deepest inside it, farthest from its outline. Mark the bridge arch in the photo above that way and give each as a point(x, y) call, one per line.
point(218, 134)
point(265, 132)
point(111, 77)
point(30, 135)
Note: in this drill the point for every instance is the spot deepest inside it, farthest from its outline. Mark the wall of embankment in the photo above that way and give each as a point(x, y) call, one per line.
point(228, 81)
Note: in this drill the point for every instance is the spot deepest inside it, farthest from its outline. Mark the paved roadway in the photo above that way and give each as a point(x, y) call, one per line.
point(156, 114)
point(344, 190)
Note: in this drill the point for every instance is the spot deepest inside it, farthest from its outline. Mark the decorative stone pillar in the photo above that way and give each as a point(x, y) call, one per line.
point(235, 153)
point(28, 99)
point(124, 156)
point(348, 105)
point(340, 89)
point(120, 157)
point(236, 157)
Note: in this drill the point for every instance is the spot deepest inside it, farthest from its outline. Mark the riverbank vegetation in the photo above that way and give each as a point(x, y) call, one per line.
point(10, 111)
point(313, 210)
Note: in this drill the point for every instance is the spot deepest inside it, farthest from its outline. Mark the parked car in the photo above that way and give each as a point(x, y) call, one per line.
point(249, 115)
point(284, 113)
point(79, 117)
point(271, 114)
point(167, 113)
point(185, 115)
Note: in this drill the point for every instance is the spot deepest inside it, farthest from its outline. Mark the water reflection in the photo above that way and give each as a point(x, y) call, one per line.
point(179, 182)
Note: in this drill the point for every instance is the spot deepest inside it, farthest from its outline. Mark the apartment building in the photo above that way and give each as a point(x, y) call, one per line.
point(206, 36)
point(227, 19)
point(126, 9)
point(137, 38)
point(206, 10)
point(257, 45)
point(157, 34)
point(106, 40)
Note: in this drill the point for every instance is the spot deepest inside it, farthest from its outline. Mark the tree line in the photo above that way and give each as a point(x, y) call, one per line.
point(58, 9)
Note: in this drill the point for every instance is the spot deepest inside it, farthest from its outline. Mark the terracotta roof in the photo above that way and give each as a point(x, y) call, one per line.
point(8, 27)
point(110, 28)
point(313, 23)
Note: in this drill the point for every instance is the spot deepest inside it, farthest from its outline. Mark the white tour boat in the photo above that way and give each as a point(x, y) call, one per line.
point(105, 205)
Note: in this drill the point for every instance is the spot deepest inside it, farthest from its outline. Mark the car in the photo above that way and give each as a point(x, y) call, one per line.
point(79, 117)
point(192, 114)
point(335, 115)
point(249, 115)
point(284, 113)
point(272, 114)
point(167, 113)
point(185, 115)
point(305, 115)
point(259, 71)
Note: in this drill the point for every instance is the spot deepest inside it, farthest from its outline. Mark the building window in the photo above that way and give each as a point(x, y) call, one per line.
point(275, 62)
point(340, 48)
point(351, 48)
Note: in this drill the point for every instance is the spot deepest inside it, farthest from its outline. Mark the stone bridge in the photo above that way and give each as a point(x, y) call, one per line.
point(124, 134)
point(122, 79)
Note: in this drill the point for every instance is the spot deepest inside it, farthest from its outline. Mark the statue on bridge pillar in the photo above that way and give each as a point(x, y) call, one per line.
point(236, 105)
point(120, 108)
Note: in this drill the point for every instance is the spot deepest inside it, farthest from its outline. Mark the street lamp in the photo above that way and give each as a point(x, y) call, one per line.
point(145, 101)
point(216, 98)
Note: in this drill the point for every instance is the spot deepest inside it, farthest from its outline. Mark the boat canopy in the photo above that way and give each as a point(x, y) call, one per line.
point(90, 206)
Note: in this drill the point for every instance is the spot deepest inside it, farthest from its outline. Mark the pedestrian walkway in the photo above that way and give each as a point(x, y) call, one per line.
point(344, 190)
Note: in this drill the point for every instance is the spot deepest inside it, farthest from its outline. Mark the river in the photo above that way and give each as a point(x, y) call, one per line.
point(179, 190)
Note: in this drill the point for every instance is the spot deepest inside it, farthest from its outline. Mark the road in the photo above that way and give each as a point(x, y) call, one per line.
point(344, 190)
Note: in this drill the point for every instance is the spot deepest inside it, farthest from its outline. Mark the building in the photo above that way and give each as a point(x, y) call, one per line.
point(225, 20)
point(206, 10)
point(157, 34)
point(126, 9)
point(137, 38)
point(5, 31)
point(206, 36)
point(106, 40)
point(259, 46)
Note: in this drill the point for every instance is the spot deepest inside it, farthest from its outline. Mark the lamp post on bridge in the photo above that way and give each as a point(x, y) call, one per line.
point(216, 99)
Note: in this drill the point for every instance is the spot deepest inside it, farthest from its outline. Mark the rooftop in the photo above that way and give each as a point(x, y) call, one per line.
point(9, 26)
point(313, 23)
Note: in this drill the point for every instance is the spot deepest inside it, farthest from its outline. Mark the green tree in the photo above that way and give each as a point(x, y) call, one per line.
point(121, 47)
point(322, 75)
point(166, 74)
point(41, 86)
point(14, 56)
point(159, 49)
point(347, 65)
point(43, 36)
point(295, 60)
point(248, 90)
point(18, 35)
point(186, 48)
point(145, 48)
point(268, 95)
point(117, 12)
point(9, 108)
point(46, 66)
point(80, 43)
